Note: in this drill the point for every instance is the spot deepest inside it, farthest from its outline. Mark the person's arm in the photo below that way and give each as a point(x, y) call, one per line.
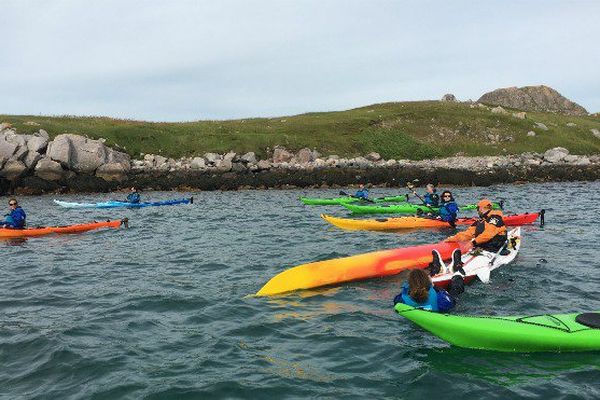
point(491, 229)
point(445, 302)
point(464, 236)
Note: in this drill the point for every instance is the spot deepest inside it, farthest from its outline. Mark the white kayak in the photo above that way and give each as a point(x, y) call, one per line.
point(480, 263)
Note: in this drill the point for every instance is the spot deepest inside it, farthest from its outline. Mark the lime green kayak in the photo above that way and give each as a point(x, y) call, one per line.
point(349, 199)
point(404, 208)
point(548, 332)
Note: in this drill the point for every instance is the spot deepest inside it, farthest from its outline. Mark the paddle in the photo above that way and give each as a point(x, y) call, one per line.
point(342, 193)
point(411, 187)
point(484, 273)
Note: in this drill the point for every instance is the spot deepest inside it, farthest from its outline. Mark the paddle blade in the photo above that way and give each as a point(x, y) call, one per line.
point(484, 275)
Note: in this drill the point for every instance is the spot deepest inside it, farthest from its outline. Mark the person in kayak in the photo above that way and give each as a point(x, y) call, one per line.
point(488, 232)
point(16, 218)
point(419, 292)
point(133, 197)
point(432, 199)
point(448, 208)
point(362, 193)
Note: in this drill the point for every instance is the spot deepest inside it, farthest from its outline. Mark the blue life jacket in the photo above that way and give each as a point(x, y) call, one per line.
point(362, 194)
point(432, 199)
point(438, 300)
point(16, 218)
point(133, 197)
point(448, 211)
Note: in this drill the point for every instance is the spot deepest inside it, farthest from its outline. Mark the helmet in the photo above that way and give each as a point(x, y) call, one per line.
point(485, 203)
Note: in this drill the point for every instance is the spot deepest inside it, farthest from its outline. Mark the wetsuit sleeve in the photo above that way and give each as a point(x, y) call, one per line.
point(463, 236)
point(444, 302)
point(492, 227)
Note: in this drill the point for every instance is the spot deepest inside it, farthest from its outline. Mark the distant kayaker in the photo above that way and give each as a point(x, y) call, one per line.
point(133, 197)
point(432, 199)
point(448, 208)
point(16, 218)
point(362, 192)
point(419, 292)
point(488, 232)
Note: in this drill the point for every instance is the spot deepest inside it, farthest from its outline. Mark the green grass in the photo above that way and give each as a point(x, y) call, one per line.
point(413, 130)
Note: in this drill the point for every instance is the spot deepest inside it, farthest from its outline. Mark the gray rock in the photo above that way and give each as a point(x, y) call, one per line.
point(37, 143)
point(449, 97)
point(212, 158)
point(531, 133)
point(540, 126)
point(4, 126)
point(160, 161)
point(498, 110)
point(49, 170)
point(7, 150)
point(149, 159)
point(305, 156)
point(571, 124)
point(373, 156)
point(231, 156)
point(116, 157)
point(198, 163)
point(13, 169)
point(112, 172)
point(263, 164)
point(42, 133)
point(520, 115)
point(31, 159)
point(280, 155)
point(238, 167)
point(249, 158)
point(556, 154)
point(596, 133)
point(224, 165)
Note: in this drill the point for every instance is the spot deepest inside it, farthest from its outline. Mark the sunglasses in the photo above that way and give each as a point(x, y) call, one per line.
point(12, 204)
point(446, 196)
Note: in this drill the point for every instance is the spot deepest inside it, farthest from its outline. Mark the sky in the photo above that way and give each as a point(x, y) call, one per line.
point(198, 60)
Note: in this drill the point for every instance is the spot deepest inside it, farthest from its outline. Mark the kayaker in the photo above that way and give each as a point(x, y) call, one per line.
point(362, 193)
point(432, 199)
point(448, 208)
point(16, 218)
point(488, 232)
point(419, 292)
point(133, 197)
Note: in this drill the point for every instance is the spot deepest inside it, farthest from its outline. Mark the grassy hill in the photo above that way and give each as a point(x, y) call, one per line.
point(414, 130)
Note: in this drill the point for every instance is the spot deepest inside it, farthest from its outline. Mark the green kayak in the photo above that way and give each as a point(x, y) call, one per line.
point(349, 199)
point(405, 208)
point(548, 332)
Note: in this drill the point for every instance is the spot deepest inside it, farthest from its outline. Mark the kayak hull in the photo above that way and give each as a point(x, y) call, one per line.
point(406, 208)
point(48, 230)
point(121, 204)
point(358, 267)
point(536, 333)
point(348, 200)
point(399, 223)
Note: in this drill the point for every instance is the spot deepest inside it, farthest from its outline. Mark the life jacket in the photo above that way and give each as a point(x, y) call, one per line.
point(430, 304)
point(433, 199)
point(491, 227)
point(448, 211)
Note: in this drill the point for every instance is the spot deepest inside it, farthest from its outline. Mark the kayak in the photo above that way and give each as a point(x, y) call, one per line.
point(406, 208)
point(533, 333)
point(393, 224)
point(362, 266)
point(349, 199)
point(115, 203)
point(481, 263)
point(68, 229)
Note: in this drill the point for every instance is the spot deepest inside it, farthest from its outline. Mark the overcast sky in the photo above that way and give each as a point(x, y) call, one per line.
point(189, 60)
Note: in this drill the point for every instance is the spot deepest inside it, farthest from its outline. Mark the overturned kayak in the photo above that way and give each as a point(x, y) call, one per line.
point(398, 223)
point(480, 263)
point(362, 266)
point(535, 333)
point(349, 199)
point(405, 208)
point(116, 204)
point(67, 229)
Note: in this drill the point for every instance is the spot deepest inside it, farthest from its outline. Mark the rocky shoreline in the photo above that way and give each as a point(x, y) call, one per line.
point(32, 164)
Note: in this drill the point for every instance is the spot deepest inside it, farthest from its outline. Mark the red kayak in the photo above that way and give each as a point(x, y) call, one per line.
point(68, 229)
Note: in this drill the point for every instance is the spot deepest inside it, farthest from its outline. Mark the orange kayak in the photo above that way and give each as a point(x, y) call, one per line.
point(392, 224)
point(47, 230)
point(361, 266)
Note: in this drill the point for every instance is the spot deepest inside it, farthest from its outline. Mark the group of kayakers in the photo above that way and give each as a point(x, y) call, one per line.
point(16, 218)
point(487, 233)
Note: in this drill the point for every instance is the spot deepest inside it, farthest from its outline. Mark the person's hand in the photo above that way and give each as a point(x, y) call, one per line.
point(473, 242)
point(438, 217)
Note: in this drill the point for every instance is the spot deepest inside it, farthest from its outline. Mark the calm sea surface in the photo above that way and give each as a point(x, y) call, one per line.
point(160, 310)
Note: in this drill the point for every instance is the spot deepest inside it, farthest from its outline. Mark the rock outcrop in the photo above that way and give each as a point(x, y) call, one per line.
point(532, 98)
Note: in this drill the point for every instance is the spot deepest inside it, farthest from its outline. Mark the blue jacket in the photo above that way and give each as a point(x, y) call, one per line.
point(448, 211)
point(432, 199)
point(439, 300)
point(134, 197)
point(362, 194)
point(16, 218)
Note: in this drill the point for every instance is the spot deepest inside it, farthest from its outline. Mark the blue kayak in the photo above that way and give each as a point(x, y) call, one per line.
point(116, 204)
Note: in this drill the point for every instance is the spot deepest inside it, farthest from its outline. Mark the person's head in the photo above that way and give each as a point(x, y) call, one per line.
point(430, 188)
point(12, 203)
point(418, 285)
point(484, 206)
point(133, 189)
point(447, 196)
point(361, 186)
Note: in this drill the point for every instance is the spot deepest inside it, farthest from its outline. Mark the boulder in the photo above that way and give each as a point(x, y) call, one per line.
point(540, 126)
point(373, 156)
point(7, 150)
point(198, 163)
point(37, 143)
point(212, 158)
point(498, 110)
point(531, 133)
point(532, 98)
point(305, 156)
point(449, 97)
point(31, 159)
point(520, 115)
point(263, 164)
point(556, 154)
point(112, 172)
point(49, 170)
point(13, 169)
point(280, 155)
point(231, 156)
point(224, 165)
point(4, 126)
point(160, 161)
point(249, 158)
point(594, 131)
point(576, 160)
